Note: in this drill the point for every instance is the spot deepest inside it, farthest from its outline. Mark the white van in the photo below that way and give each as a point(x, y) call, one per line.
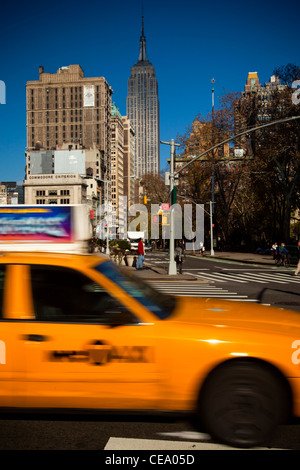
point(134, 238)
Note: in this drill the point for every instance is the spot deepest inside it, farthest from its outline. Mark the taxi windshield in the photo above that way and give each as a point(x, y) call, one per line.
point(159, 304)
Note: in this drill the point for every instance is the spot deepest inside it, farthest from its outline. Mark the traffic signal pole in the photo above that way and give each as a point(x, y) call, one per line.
point(172, 263)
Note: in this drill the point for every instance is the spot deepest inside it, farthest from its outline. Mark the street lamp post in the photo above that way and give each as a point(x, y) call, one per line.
point(172, 263)
point(212, 205)
point(212, 253)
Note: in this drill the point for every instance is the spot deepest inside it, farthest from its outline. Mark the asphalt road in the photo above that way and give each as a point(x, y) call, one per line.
point(266, 284)
point(114, 433)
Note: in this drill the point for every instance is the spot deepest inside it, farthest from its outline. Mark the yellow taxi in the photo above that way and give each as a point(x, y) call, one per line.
point(78, 332)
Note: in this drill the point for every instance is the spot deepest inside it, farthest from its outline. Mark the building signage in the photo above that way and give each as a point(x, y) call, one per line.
point(89, 96)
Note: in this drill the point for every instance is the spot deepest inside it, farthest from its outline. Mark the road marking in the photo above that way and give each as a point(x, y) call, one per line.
point(264, 277)
point(219, 277)
point(289, 278)
point(246, 277)
point(183, 289)
point(120, 443)
point(197, 269)
point(188, 435)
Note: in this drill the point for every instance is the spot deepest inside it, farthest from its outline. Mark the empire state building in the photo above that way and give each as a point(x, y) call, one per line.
point(143, 112)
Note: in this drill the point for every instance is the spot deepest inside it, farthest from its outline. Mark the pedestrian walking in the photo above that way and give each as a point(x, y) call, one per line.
point(141, 254)
point(298, 256)
point(179, 257)
point(274, 249)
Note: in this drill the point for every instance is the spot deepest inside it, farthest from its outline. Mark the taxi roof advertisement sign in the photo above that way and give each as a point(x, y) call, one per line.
point(27, 224)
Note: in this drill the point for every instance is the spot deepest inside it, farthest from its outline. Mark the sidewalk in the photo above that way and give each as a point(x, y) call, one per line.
point(252, 258)
point(154, 272)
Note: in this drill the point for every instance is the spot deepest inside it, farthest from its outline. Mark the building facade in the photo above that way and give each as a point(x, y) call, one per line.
point(11, 193)
point(117, 158)
point(66, 110)
point(129, 161)
point(67, 175)
point(143, 112)
point(55, 189)
point(254, 107)
point(67, 106)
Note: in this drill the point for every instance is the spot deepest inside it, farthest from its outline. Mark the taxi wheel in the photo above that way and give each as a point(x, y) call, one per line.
point(242, 403)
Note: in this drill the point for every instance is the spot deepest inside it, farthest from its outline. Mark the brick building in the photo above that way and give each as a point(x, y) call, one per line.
point(67, 113)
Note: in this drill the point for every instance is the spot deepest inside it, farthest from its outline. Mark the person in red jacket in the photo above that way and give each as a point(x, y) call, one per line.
point(141, 254)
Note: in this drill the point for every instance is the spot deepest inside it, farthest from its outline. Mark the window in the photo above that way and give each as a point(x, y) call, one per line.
point(66, 295)
point(158, 303)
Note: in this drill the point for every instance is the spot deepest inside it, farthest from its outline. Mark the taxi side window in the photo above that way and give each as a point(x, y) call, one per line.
point(2, 275)
point(66, 295)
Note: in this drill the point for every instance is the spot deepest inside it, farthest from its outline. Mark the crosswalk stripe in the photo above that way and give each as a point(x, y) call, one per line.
point(135, 444)
point(274, 277)
point(288, 278)
point(219, 277)
point(234, 277)
point(260, 278)
point(206, 276)
point(265, 278)
point(199, 290)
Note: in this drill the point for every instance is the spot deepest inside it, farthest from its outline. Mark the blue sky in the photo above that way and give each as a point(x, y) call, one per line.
point(188, 42)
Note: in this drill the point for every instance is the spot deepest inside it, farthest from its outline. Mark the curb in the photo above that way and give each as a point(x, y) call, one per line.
point(161, 274)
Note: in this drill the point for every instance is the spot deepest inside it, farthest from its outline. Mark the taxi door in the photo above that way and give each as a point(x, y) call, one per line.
point(7, 345)
point(77, 355)
point(14, 306)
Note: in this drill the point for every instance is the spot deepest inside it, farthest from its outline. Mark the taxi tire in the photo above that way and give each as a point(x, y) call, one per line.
point(242, 403)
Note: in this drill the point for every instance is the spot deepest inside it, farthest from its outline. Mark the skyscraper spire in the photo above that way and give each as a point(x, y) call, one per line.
point(143, 54)
point(143, 112)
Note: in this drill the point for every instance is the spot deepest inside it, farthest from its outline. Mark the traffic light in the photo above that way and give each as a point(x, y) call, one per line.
point(174, 196)
point(145, 199)
point(165, 219)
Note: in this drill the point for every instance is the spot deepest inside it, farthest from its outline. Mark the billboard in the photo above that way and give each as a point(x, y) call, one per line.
point(69, 162)
point(36, 224)
point(41, 162)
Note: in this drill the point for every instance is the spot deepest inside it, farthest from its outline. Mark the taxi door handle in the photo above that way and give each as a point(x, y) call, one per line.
point(37, 338)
